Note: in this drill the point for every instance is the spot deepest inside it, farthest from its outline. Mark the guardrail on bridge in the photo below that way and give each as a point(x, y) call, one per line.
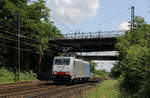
point(105, 34)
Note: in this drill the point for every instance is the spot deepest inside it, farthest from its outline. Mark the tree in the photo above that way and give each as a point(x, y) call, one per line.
point(134, 63)
point(36, 28)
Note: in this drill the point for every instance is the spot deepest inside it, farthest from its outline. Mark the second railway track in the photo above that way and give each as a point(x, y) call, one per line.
point(44, 89)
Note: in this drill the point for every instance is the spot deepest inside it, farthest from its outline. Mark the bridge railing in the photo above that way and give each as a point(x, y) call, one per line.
point(93, 35)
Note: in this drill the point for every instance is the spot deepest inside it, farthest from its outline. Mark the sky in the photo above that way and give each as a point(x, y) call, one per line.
point(96, 15)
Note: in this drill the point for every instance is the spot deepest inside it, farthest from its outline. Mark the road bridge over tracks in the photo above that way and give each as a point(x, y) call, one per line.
point(88, 42)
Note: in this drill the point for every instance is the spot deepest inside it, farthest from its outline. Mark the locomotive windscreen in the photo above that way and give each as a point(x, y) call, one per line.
point(62, 61)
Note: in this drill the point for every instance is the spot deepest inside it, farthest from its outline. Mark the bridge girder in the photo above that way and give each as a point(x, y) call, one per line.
point(98, 57)
point(85, 45)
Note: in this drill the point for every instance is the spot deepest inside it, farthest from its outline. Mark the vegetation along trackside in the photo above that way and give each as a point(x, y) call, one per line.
point(134, 64)
point(35, 30)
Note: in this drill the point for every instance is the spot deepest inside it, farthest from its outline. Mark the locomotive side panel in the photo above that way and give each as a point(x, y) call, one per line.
point(80, 69)
point(88, 69)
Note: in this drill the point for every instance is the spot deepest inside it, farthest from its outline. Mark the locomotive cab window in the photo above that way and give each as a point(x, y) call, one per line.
point(58, 62)
point(66, 62)
point(62, 61)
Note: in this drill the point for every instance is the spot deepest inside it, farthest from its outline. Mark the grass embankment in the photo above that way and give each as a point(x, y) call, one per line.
point(106, 89)
point(7, 76)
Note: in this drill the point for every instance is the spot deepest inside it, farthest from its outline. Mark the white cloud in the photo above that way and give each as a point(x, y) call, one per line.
point(72, 10)
point(124, 26)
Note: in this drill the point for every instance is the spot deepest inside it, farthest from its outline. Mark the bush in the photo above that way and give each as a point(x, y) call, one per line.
point(25, 76)
point(107, 89)
point(115, 71)
point(7, 76)
point(99, 73)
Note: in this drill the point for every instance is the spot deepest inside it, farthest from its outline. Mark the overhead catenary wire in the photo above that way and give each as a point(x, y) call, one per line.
point(67, 28)
point(15, 40)
point(50, 44)
point(64, 15)
point(26, 43)
point(27, 39)
point(32, 45)
point(62, 24)
point(51, 16)
point(108, 19)
point(117, 15)
point(23, 49)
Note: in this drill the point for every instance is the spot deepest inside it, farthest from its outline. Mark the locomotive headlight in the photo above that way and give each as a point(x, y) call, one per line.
point(67, 73)
point(54, 73)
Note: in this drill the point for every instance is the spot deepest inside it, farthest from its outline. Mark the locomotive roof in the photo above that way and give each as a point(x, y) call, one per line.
point(64, 57)
point(71, 57)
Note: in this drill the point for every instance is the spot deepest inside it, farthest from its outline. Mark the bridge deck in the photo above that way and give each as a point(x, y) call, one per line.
point(85, 45)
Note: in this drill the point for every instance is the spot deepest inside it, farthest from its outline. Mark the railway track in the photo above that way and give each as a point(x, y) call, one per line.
point(62, 92)
point(21, 84)
point(43, 89)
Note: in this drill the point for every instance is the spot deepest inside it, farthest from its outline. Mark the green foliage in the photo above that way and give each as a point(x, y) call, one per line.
point(35, 25)
point(134, 63)
point(107, 89)
point(99, 73)
point(25, 76)
point(115, 71)
point(94, 71)
point(7, 75)
point(92, 66)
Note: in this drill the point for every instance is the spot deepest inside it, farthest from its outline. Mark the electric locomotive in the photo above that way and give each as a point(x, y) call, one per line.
point(70, 69)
